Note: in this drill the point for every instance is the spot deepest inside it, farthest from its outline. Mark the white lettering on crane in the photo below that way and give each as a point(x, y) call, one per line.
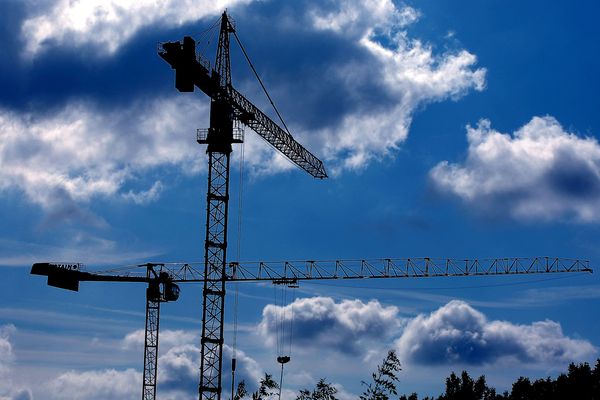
point(69, 267)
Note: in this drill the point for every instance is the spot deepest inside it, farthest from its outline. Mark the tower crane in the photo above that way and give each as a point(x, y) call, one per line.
point(162, 280)
point(229, 111)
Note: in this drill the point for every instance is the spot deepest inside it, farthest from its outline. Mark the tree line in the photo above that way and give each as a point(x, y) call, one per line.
point(580, 382)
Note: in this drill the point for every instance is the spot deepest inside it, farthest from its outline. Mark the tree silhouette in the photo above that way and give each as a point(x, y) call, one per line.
point(322, 391)
point(580, 382)
point(384, 380)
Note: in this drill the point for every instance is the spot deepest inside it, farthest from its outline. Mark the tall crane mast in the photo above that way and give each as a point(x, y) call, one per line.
point(161, 289)
point(227, 107)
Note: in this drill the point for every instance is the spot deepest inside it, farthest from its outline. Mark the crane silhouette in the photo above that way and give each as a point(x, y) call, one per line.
point(229, 111)
point(228, 108)
point(162, 280)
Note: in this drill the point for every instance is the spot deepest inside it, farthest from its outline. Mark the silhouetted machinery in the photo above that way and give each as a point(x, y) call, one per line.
point(228, 112)
point(162, 279)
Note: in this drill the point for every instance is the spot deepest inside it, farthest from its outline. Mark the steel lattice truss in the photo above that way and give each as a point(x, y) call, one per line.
point(400, 268)
point(151, 348)
point(214, 276)
point(260, 123)
point(349, 269)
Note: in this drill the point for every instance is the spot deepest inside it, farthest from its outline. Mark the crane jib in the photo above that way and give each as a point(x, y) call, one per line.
point(190, 72)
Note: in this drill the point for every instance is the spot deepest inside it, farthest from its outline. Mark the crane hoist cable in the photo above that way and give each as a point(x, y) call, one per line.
point(284, 321)
point(260, 81)
point(208, 35)
point(280, 320)
point(238, 255)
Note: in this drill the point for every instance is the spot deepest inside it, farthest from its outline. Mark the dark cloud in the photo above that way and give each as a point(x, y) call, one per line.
point(350, 326)
point(574, 176)
point(458, 334)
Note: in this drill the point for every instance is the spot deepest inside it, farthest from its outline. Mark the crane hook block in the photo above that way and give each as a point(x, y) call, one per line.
point(283, 359)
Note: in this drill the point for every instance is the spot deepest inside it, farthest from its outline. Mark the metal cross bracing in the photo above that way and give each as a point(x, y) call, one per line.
point(214, 274)
point(151, 348)
point(264, 126)
point(272, 271)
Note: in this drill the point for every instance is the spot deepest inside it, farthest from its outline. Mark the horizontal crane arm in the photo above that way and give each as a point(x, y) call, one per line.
point(293, 271)
point(401, 268)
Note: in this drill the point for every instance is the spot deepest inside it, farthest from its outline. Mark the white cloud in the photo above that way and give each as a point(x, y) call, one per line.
point(8, 389)
point(179, 370)
point(168, 338)
point(350, 326)
point(108, 25)
point(405, 69)
point(65, 160)
point(458, 334)
point(361, 16)
point(96, 385)
point(404, 72)
point(6, 349)
point(83, 152)
point(179, 363)
point(145, 196)
point(74, 245)
point(541, 171)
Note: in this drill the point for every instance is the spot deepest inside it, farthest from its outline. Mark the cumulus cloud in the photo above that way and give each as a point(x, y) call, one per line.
point(541, 171)
point(179, 370)
point(457, 333)
point(82, 152)
point(168, 338)
point(6, 349)
point(108, 25)
point(145, 196)
point(349, 326)
point(8, 389)
point(362, 16)
point(384, 76)
point(405, 71)
point(179, 363)
point(96, 385)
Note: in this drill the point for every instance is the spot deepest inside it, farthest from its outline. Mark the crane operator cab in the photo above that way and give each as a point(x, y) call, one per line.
point(171, 291)
point(163, 289)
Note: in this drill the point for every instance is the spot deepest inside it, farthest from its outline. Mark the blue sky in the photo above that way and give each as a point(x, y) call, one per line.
point(462, 129)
